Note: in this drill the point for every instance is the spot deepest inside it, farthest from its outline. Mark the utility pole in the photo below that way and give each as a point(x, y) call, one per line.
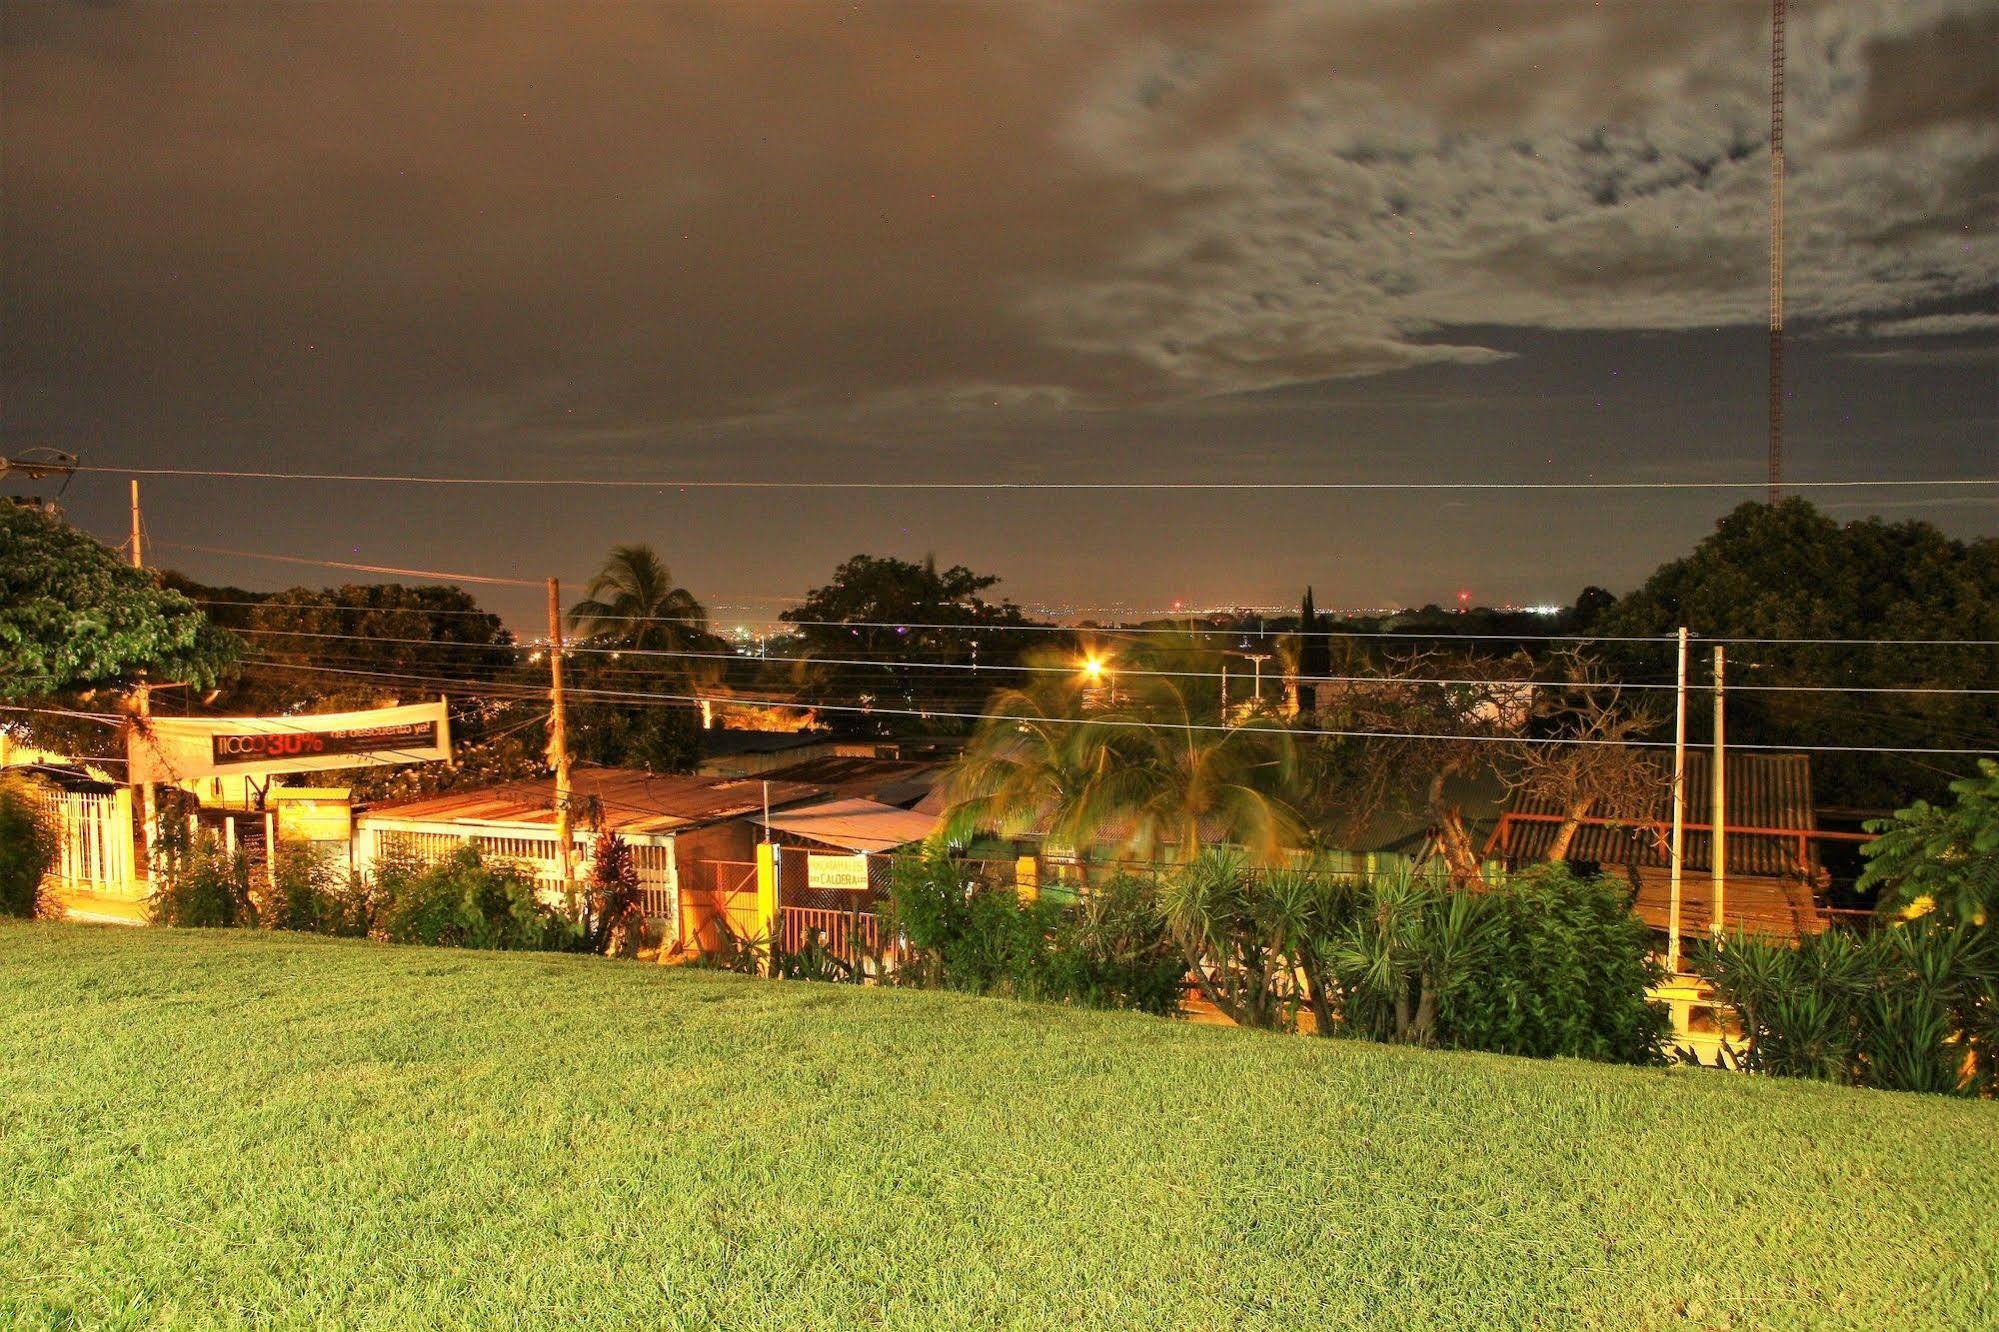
point(558, 742)
point(1679, 811)
point(1719, 837)
point(1776, 250)
point(142, 704)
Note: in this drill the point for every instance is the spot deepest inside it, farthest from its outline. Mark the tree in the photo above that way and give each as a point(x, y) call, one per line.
point(889, 623)
point(72, 617)
point(1941, 858)
point(1786, 571)
point(354, 646)
point(634, 603)
point(27, 849)
point(1315, 657)
point(1156, 774)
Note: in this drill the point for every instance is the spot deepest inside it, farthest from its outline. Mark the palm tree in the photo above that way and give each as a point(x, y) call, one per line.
point(634, 602)
point(1157, 775)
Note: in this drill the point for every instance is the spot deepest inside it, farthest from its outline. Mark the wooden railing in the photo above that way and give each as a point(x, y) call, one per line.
point(852, 936)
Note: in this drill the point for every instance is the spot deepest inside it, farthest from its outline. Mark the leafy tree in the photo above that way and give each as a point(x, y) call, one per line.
point(633, 602)
point(73, 617)
point(1787, 571)
point(335, 648)
point(1315, 657)
point(1939, 858)
point(886, 613)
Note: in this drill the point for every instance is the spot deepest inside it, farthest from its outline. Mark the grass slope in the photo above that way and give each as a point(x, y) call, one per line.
point(223, 1128)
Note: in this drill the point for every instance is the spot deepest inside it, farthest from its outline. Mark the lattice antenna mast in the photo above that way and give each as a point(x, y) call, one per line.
point(1776, 250)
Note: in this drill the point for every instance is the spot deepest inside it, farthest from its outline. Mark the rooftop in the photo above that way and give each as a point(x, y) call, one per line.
point(631, 801)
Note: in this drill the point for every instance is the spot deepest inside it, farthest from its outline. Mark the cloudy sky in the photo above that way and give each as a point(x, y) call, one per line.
point(1056, 240)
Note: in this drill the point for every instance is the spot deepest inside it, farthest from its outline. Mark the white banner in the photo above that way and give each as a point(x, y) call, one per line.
point(173, 749)
point(844, 872)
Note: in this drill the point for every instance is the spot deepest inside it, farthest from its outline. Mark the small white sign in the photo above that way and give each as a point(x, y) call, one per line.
point(849, 873)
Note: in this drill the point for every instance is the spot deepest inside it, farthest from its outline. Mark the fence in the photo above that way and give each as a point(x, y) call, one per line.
point(532, 852)
point(94, 844)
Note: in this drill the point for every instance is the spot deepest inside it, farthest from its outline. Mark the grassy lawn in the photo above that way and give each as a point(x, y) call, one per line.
point(224, 1128)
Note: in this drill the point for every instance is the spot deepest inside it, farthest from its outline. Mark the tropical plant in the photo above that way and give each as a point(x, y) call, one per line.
point(633, 601)
point(962, 933)
point(1254, 939)
point(1113, 949)
point(1407, 953)
point(1156, 773)
point(1942, 858)
point(611, 911)
point(198, 882)
point(1907, 1007)
point(27, 850)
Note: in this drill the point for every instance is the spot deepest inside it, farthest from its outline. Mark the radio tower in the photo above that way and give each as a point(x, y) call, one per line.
point(1776, 250)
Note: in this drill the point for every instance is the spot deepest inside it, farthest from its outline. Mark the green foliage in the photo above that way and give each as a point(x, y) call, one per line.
point(1942, 858)
point(72, 616)
point(463, 901)
point(308, 893)
point(27, 850)
point(1789, 571)
point(1111, 950)
point(1907, 1007)
point(964, 934)
point(1540, 964)
point(1564, 971)
point(197, 882)
point(634, 602)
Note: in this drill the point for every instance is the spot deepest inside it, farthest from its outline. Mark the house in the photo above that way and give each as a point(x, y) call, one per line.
point(1773, 876)
point(691, 841)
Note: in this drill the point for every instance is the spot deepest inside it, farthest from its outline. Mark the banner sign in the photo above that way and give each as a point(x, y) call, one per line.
point(173, 749)
point(846, 873)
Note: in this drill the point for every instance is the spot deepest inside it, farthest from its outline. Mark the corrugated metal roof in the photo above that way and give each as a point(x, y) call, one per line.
point(857, 825)
point(631, 800)
point(1763, 791)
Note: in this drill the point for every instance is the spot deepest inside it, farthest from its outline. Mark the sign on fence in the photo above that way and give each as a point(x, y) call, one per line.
point(844, 873)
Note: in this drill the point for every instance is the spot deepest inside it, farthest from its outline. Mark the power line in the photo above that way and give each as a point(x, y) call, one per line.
point(637, 696)
point(357, 568)
point(685, 483)
point(974, 668)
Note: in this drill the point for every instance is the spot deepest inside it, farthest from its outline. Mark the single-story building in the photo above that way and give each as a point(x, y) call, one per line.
point(690, 837)
point(1773, 877)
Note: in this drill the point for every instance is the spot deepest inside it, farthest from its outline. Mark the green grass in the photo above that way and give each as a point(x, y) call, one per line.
point(231, 1128)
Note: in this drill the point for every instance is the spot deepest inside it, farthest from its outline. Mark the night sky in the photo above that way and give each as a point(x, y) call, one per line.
point(1031, 239)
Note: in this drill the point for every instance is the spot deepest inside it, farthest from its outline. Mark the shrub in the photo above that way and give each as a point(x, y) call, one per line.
point(964, 934)
point(612, 915)
point(1563, 970)
point(1907, 1008)
point(462, 901)
point(310, 894)
point(1113, 950)
point(27, 851)
point(197, 883)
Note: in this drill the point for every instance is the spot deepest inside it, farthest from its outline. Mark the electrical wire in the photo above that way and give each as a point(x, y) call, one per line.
point(1018, 668)
point(636, 483)
point(637, 696)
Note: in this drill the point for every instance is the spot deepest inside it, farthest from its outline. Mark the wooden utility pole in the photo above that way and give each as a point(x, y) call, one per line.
point(142, 704)
point(1719, 837)
point(558, 741)
point(1679, 812)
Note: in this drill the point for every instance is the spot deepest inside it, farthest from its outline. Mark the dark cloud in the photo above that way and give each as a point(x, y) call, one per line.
point(996, 237)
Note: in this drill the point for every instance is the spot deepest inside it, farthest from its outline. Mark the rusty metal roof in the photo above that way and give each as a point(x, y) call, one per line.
point(631, 801)
point(1764, 791)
